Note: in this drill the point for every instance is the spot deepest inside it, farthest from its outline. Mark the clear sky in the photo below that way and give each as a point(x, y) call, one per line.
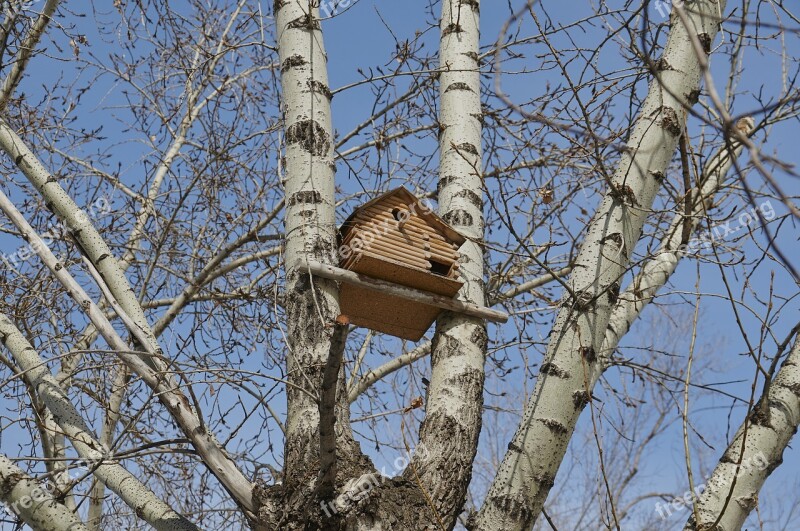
point(364, 35)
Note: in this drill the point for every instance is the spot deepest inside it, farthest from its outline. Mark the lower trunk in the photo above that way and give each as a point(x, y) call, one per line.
point(372, 503)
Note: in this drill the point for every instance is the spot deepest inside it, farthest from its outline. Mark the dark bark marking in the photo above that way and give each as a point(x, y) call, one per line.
point(479, 337)
point(584, 301)
point(470, 3)
point(623, 193)
point(472, 197)
point(305, 197)
point(705, 41)
point(545, 481)
point(445, 181)
point(458, 85)
point(580, 398)
point(615, 238)
point(310, 136)
point(761, 413)
point(452, 28)
point(307, 22)
point(613, 292)
point(554, 426)
point(292, 61)
point(514, 508)
point(662, 65)
point(552, 369)
point(794, 388)
point(10, 482)
point(588, 354)
point(469, 148)
point(670, 122)
point(319, 87)
point(693, 96)
point(747, 503)
point(458, 217)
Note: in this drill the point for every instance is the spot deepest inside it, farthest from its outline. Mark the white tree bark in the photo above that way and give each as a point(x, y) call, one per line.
point(33, 502)
point(85, 234)
point(756, 450)
point(657, 270)
point(454, 404)
point(311, 306)
point(136, 495)
point(113, 414)
point(25, 52)
point(528, 469)
point(162, 383)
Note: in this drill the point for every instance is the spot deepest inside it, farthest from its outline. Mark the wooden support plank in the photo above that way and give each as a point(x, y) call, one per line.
point(455, 305)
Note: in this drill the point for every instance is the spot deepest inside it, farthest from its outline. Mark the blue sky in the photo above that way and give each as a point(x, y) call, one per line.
point(363, 37)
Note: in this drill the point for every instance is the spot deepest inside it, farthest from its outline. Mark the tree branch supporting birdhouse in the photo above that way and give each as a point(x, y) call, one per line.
point(416, 295)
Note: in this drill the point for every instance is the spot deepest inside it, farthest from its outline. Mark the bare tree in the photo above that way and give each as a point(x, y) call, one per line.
point(170, 361)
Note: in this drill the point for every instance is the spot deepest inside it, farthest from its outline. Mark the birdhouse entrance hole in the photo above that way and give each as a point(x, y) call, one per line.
point(438, 268)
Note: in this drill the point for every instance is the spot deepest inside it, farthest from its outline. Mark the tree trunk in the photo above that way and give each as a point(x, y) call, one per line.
point(454, 403)
point(529, 467)
point(756, 450)
point(33, 502)
point(312, 303)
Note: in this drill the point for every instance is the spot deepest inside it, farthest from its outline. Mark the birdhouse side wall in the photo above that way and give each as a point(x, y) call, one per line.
point(411, 242)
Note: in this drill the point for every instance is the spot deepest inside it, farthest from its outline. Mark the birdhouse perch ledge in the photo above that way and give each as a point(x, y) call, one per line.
point(416, 295)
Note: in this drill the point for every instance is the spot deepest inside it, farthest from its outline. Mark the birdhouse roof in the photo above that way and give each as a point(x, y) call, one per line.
point(430, 217)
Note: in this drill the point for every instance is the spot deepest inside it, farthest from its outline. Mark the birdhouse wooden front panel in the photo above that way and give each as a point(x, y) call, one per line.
point(394, 238)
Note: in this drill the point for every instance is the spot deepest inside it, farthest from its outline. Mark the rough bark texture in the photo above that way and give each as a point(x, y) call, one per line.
point(311, 303)
point(455, 393)
point(756, 450)
point(528, 469)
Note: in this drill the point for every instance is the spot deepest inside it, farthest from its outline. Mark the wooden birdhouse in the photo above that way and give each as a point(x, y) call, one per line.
point(397, 239)
point(398, 267)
